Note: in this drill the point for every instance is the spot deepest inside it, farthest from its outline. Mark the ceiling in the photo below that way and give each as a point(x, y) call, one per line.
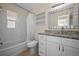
point(36, 7)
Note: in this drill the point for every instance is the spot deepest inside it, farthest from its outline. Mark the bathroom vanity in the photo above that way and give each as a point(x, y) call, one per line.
point(52, 45)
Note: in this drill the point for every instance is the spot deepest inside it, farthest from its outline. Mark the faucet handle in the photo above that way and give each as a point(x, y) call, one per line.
point(1, 43)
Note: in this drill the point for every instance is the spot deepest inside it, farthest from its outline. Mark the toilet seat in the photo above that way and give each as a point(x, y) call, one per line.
point(32, 43)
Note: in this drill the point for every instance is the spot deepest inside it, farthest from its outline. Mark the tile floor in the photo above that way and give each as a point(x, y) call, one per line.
point(26, 53)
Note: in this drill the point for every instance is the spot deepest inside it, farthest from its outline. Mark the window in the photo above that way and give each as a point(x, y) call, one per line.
point(63, 20)
point(11, 18)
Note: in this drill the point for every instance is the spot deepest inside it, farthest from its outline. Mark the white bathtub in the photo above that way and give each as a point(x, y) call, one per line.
point(9, 49)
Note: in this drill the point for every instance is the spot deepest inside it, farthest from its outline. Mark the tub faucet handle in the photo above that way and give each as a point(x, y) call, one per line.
point(1, 43)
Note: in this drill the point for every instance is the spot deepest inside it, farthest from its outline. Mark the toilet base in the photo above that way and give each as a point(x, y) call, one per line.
point(33, 50)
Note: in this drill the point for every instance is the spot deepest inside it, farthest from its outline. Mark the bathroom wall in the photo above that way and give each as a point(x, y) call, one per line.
point(52, 16)
point(68, 10)
point(40, 22)
point(40, 29)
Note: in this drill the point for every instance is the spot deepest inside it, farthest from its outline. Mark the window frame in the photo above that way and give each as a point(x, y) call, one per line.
point(11, 19)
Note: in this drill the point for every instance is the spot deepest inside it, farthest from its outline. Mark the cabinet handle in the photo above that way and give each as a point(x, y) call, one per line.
point(59, 47)
point(63, 49)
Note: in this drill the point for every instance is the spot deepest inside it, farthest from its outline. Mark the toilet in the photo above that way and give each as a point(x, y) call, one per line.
point(33, 46)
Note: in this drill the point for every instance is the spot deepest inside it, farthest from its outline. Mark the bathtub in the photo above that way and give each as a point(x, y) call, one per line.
point(12, 48)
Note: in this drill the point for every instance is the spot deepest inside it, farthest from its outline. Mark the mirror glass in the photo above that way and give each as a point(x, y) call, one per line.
point(63, 20)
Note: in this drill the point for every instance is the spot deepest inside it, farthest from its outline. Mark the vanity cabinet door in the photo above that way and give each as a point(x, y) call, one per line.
point(53, 49)
point(70, 51)
point(42, 48)
point(70, 47)
point(53, 46)
point(42, 45)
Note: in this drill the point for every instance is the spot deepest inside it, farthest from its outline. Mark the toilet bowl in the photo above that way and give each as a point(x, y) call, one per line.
point(33, 46)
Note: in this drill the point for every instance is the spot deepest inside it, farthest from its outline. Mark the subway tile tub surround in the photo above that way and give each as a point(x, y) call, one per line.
point(13, 39)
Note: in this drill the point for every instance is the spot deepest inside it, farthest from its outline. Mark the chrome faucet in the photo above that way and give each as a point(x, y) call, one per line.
point(62, 29)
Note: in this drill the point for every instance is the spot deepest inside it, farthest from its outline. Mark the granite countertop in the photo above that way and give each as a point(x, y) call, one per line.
point(62, 35)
